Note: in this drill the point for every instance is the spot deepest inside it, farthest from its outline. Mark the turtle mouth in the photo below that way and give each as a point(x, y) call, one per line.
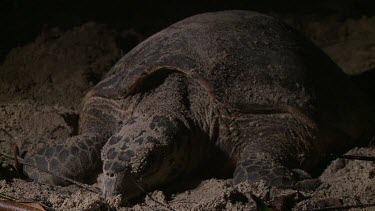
point(120, 183)
point(110, 185)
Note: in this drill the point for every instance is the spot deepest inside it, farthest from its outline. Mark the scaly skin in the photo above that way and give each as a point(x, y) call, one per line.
point(151, 146)
point(79, 156)
point(268, 146)
point(237, 81)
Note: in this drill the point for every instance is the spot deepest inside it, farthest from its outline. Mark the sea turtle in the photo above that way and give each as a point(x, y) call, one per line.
point(236, 83)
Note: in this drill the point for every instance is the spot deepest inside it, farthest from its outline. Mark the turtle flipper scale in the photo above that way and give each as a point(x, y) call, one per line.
point(72, 159)
point(268, 147)
point(269, 171)
point(79, 156)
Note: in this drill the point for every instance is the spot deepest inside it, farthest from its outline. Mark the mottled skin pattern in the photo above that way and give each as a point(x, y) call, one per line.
point(238, 81)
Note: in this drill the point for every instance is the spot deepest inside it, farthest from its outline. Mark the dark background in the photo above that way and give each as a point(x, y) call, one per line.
point(22, 20)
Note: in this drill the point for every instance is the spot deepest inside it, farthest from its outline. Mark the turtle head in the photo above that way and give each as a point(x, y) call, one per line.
point(144, 154)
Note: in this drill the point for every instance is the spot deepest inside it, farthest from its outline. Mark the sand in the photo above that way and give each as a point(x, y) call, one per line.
point(42, 85)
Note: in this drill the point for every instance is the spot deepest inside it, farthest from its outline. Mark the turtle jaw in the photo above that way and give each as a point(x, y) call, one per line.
point(131, 178)
point(111, 184)
point(155, 167)
point(120, 183)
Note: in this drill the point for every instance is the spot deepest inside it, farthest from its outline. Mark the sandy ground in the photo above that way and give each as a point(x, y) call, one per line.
point(350, 43)
point(42, 84)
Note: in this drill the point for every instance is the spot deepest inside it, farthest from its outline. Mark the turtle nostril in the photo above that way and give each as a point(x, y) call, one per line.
point(110, 174)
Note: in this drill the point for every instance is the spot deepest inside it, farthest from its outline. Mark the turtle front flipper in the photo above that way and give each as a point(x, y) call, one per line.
point(257, 166)
point(268, 147)
point(78, 157)
point(74, 158)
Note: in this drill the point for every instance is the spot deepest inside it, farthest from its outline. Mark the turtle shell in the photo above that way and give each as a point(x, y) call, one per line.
point(249, 62)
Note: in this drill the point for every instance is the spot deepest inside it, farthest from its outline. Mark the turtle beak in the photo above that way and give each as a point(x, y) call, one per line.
point(109, 186)
point(119, 183)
